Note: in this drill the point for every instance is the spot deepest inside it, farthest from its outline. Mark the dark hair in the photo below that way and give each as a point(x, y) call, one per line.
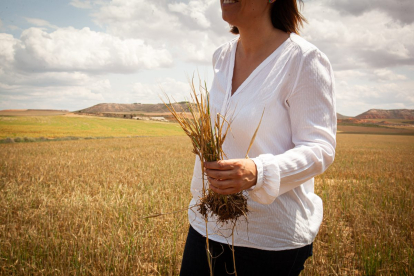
point(285, 16)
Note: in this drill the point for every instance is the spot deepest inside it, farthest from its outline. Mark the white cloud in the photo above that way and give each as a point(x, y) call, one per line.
point(55, 97)
point(59, 69)
point(151, 93)
point(355, 99)
point(373, 40)
point(81, 4)
point(60, 90)
point(364, 44)
point(369, 44)
point(349, 74)
point(360, 90)
point(195, 10)
point(378, 75)
point(40, 22)
point(13, 27)
point(401, 10)
point(7, 44)
point(191, 30)
point(86, 4)
point(70, 49)
point(384, 75)
point(43, 79)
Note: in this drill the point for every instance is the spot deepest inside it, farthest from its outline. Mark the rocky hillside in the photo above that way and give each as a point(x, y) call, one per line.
point(144, 108)
point(342, 117)
point(407, 114)
point(137, 107)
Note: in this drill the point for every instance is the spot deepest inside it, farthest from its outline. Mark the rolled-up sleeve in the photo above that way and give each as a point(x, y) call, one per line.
point(312, 113)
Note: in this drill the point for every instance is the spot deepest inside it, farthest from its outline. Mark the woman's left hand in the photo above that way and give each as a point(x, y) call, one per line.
point(231, 176)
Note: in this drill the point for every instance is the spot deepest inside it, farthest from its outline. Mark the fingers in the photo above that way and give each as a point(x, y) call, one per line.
point(221, 184)
point(222, 165)
point(230, 176)
point(218, 174)
point(223, 191)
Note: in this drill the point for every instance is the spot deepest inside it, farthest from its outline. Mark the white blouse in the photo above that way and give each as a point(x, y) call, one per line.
point(296, 141)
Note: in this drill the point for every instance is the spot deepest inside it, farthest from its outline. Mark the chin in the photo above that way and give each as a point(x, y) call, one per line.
point(229, 18)
point(231, 12)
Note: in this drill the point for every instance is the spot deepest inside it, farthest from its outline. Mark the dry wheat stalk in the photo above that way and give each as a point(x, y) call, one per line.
point(207, 138)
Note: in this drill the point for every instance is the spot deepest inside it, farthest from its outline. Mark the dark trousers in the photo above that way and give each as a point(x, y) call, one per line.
point(249, 261)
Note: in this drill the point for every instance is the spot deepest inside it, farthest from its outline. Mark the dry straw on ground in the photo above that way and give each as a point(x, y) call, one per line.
point(73, 207)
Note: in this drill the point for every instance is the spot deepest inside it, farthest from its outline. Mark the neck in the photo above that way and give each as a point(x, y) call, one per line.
point(258, 36)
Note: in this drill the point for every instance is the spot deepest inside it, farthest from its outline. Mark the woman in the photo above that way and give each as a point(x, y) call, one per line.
point(268, 67)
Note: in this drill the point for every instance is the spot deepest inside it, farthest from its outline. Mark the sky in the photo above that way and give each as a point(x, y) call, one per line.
point(77, 53)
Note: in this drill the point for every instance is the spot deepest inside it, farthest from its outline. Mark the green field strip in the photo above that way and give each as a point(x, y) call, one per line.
point(61, 126)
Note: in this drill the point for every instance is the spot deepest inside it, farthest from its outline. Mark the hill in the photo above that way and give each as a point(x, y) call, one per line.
point(406, 114)
point(342, 117)
point(144, 108)
point(135, 107)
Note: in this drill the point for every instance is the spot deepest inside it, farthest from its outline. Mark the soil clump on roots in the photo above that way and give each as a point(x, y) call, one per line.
point(227, 208)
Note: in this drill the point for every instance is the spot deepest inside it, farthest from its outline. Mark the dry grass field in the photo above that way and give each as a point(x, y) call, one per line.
point(74, 207)
point(407, 130)
point(32, 112)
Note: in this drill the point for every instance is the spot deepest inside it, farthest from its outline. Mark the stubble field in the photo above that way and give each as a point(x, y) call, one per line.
point(74, 207)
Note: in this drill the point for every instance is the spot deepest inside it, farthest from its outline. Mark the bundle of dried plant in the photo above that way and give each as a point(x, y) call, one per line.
point(207, 137)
